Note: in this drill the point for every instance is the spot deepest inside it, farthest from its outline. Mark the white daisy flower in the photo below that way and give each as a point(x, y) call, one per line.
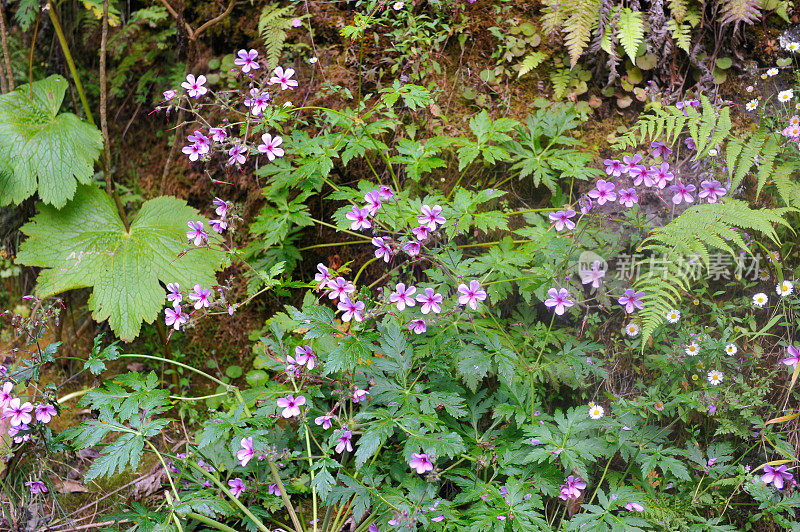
point(715, 377)
point(785, 288)
point(772, 72)
point(749, 88)
point(785, 96)
point(731, 349)
point(751, 105)
point(794, 120)
point(763, 275)
point(672, 316)
point(632, 330)
point(398, 6)
point(760, 299)
point(793, 46)
point(596, 411)
point(712, 152)
point(692, 349)
point(312, 60)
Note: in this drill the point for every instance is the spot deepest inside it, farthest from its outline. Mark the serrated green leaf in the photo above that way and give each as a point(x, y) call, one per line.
point(42, 150)
point(85, 245)
point(631, 31)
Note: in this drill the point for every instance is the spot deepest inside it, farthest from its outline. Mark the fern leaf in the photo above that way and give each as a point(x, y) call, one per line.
point(788, 190)
point(631, 31)
point(747, 11)
point(678, 9)
point(555, 14)
point(691, 237)
point(766, 161)
point(681, 34)
point(533, 60)
point(579, 27)
point(272, 26)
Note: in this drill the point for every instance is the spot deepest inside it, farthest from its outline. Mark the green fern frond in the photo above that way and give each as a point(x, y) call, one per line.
point(579, 27)
point(272, 26)
point(533, 60)
point(681, 34)
point(678, 9)
point(689, 240)
point(631, 31)
point(555, 13)
point(788, 190)
point(709, 128)
point(747, 11)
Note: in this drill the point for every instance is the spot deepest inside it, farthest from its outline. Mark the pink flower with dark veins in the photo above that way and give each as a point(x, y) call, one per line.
point(270, 146)
point(246, 60)
point(421, 462)
point(44, 413)
point(284, 78)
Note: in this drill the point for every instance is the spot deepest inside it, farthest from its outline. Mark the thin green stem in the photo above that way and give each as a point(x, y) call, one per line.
point(210, 522)
point(261, 526)
point(181, 364)
point(286, 502)
point(326, 224)
point(370, 261)
point(334, 244)
point(62, 40)
point(163, 464)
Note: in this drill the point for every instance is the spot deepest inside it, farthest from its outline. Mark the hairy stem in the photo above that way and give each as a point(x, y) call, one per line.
point(6, 54)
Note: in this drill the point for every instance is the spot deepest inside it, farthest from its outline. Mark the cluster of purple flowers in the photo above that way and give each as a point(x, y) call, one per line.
point(654, 176)
point(175, 317)
point(257, 102)
point(20, 414)
point(792, 131)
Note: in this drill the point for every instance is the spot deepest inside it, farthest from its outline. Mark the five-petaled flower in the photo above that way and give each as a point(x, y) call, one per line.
point(194, 86)
point(431, 301)
point(359, 218)
point(559, 300)
point(683, 192)
point(174, 317)
point(403, 297)
point(6, 395)
point(631, 300)
point(431, 216)
point(593, 276)
point(36, 486)
point(421, 462)
point(604, 192)
point(246, 60)
point(237, 154)
point(291, 405)
point(353, 310)
point(345, 442)
point(340, 287)
point(18, 413)
point(304, 356)
point(360, 395)
point(196, 233)
point(200, 296)
point(417, 326)
point(284, 78)
point(470, 295)
point(572, 488)
point(44, 413)
point(324, 420)
point(711, 190)
point(561, 219)
point(382, 249)
point(792, 360)
point(246, 452)
point(237, 486)
point(258, 103)
point(270, 146)
point(776, 475)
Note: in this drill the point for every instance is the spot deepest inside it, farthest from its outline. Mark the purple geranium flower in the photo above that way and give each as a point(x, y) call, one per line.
point(200, 295)
point(630, 162)
point(417, 326)
point(44, 413)
point(196, 233)
point(628, 196)
point(340, 287)
point(291, 405)
point(776, 475)
point(711, 190)
point(558, 299)
point(561, 219)
point(359, 217)
point(36, 486)
point(345, 442)
point(237, 486)
point(572, 488)
point(604, 192)
point(614, 167)
point(471, 295)
point(631, 300)
point(431, 301)
point(352, 310)
point(660, 149)
point(174, 317)
point(682, 193)
point(403, 296)
point(246, 60)
point(246, 452)
point(421, 462)
point(431, 216)
point(794, 357)
point(383, 249)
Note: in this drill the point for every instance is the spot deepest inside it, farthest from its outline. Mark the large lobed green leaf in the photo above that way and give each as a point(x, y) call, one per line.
point(41, 149)
point(85, 245)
